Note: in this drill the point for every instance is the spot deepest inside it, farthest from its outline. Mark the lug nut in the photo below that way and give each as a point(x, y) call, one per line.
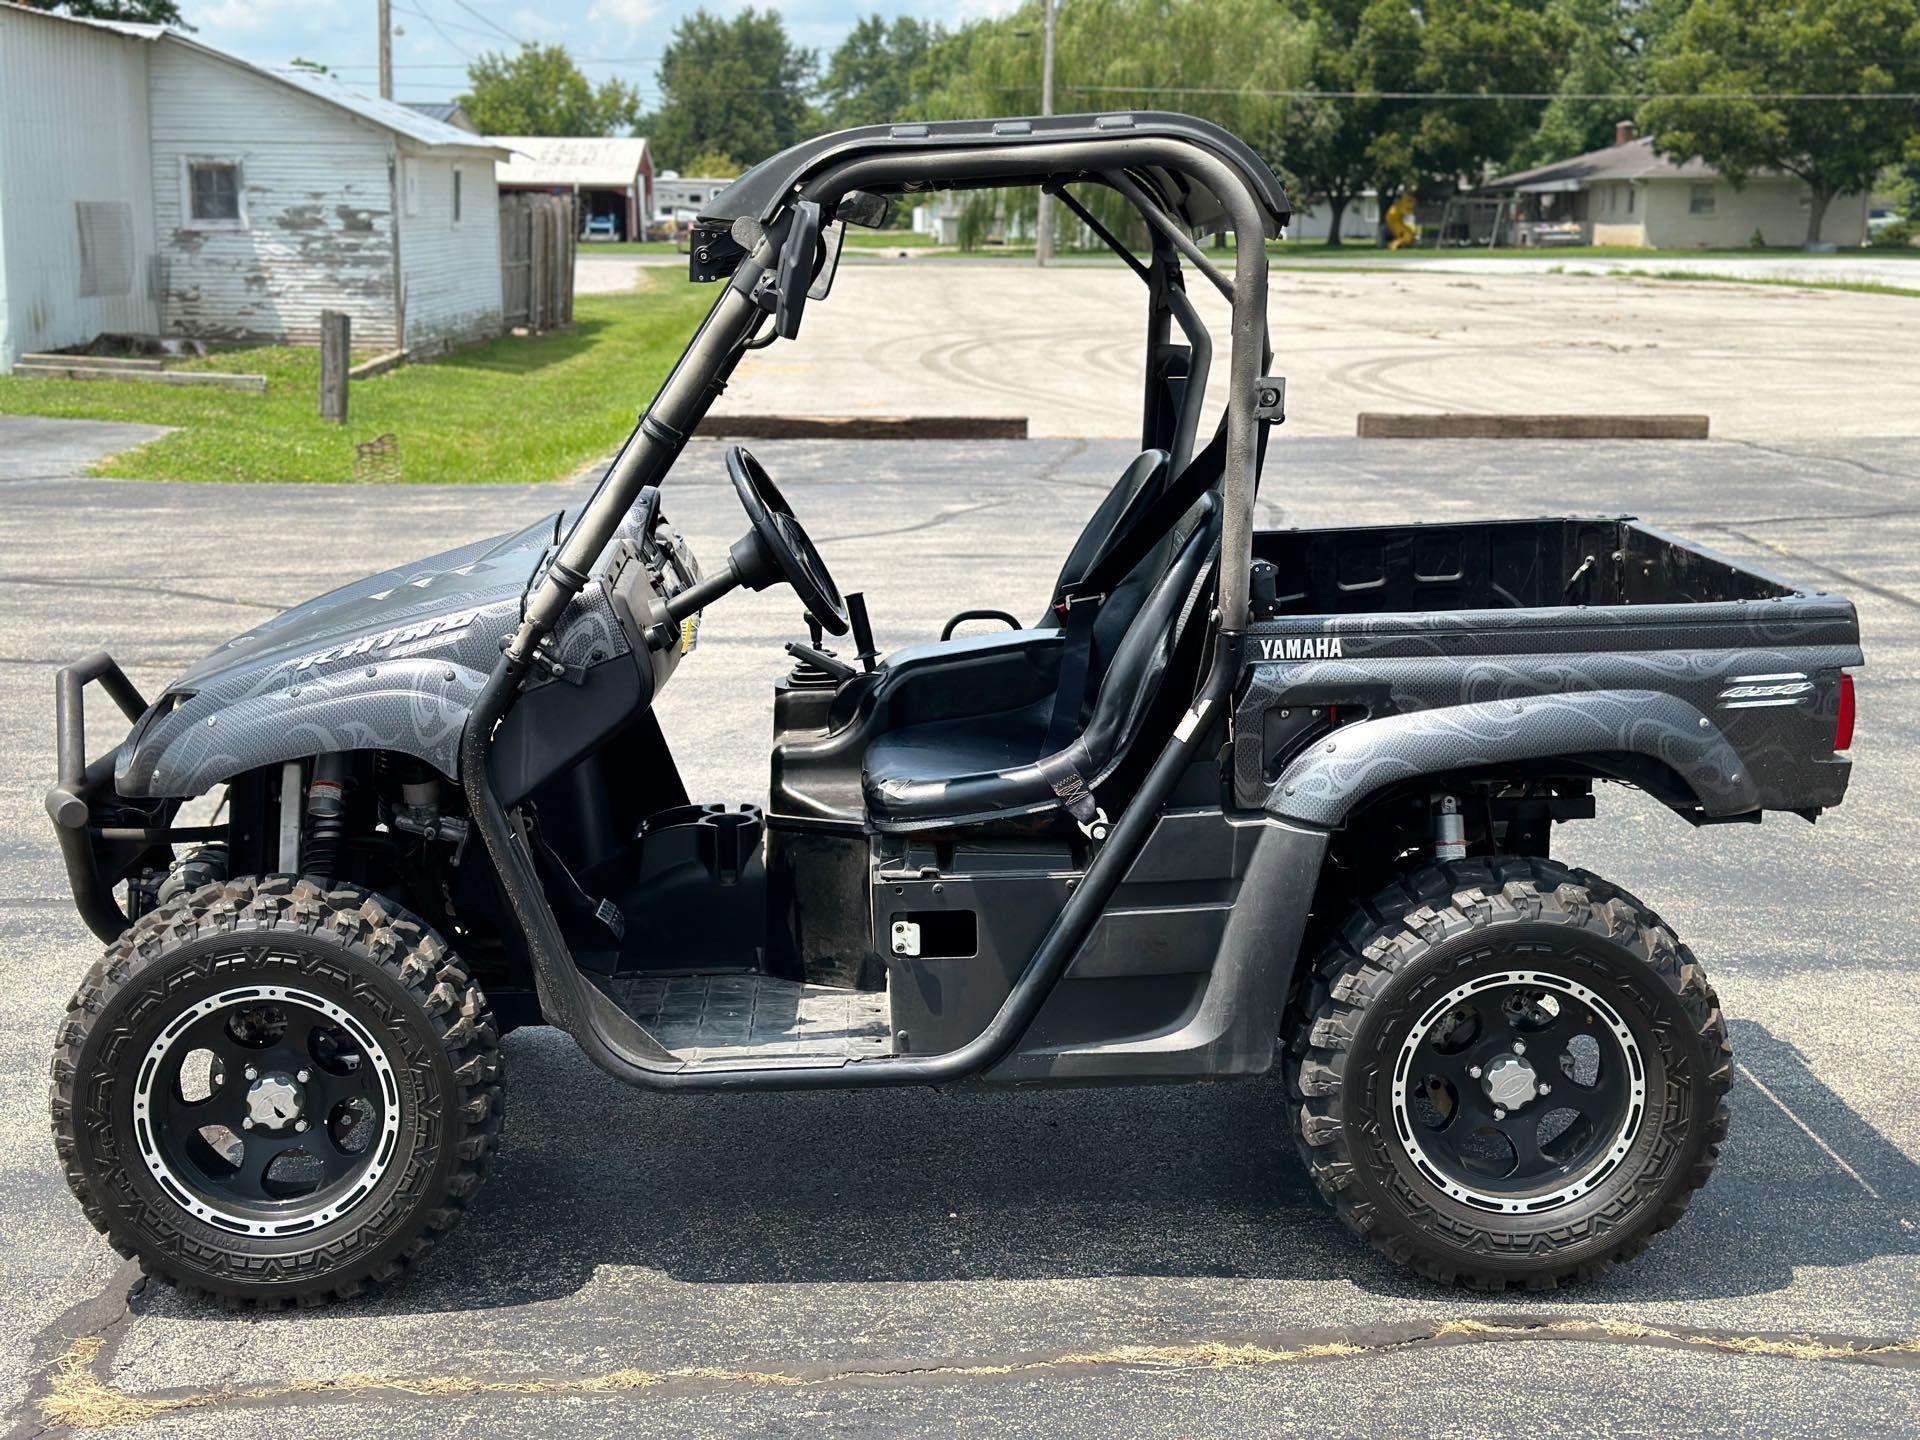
point(1519, 1047)
point(1544, 1089)
point(300, 1125)
point(304, 1076)
point(247, 1124)
point(1474, 1071)
point(1499, 1114)
point(252, 1074)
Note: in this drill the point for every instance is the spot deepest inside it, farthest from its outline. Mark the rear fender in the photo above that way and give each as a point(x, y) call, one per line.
point(1338, 773)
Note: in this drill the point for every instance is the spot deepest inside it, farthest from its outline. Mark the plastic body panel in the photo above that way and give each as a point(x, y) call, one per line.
point(1182, 976)
point(1660, 670)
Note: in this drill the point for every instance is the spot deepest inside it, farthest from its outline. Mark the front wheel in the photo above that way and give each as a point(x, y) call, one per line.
point(1510, 1073)
point(272, 1093)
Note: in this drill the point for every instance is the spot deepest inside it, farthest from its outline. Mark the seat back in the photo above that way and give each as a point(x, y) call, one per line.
point(1128, 679)
point(1146, 472)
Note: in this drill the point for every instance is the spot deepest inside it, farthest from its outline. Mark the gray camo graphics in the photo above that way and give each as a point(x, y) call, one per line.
point(1459, 690)
point(393, 662)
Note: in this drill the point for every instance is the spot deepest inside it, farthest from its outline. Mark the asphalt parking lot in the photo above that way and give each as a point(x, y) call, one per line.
point(1130, 1261)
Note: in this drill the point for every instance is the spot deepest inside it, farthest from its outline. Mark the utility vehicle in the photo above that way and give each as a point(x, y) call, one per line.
point(1237, 800)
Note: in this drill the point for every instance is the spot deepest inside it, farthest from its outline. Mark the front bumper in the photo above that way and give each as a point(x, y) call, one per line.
point(103, 838)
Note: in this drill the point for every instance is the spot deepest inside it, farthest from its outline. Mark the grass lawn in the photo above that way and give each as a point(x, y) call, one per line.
point(539, 408)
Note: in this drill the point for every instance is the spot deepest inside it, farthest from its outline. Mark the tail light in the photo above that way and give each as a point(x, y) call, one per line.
point(1843, 727)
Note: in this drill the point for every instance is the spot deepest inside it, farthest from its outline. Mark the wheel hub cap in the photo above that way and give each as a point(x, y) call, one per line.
point(275, 1101)
point(1509, 1082)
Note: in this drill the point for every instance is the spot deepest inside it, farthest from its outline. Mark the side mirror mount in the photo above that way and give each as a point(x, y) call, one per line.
point(797, 256)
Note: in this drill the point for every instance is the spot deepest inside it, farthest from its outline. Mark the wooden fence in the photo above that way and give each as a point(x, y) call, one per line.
point(536, 261)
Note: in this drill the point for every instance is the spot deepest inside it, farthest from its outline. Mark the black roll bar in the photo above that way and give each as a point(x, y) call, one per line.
point(610, 1038)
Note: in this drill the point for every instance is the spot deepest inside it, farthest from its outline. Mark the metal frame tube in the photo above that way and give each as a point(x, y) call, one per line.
point(612, 1040)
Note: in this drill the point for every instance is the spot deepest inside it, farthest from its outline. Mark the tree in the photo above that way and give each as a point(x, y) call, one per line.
point(1325, 153)
point(737, 86)
point(1228, 60)
point(1734, 61)
point(540, 91)
point(1382, 51)
point(145, 12)
point(870, 78)
point(714, 165)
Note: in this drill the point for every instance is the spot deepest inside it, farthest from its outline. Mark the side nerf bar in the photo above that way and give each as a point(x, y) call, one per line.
point(70, 801)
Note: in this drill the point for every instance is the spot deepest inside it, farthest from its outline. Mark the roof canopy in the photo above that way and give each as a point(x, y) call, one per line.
point(589, 162)
point(1102, 143)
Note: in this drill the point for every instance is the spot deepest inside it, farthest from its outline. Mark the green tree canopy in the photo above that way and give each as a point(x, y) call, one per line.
point(144, 12)
point(1372, 50)
point(736, 86)
point(540, 91)
point(871, 78)
point(1723, 53)
point(1219, 59)
point(714, 165)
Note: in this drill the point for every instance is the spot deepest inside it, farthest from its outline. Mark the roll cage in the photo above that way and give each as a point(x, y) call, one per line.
point(760, 237)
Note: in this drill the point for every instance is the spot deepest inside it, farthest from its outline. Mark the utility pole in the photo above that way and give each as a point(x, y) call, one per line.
point(1043, 239)
point(386, 49)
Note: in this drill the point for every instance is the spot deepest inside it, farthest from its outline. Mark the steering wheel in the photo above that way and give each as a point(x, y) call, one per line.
point(784, 550)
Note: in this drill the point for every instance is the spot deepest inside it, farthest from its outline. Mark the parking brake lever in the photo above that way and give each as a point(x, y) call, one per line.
point(862, 630)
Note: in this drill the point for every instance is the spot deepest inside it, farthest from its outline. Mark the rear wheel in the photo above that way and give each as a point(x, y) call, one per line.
point(1511, 1073)
point(273, 1093)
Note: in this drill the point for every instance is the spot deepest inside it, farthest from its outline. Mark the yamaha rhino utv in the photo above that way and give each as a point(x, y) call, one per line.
point(1237, 800)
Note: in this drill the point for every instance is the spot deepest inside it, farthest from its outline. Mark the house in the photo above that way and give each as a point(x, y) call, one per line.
point(1629, 194)
point(447, 112)
point(611, 177)
point(151, 185)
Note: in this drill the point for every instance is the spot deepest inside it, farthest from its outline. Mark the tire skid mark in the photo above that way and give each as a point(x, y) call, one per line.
point(1834, 572)
point(78, 1393)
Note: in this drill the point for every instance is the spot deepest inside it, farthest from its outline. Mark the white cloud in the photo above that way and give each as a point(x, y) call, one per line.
point(633, 15)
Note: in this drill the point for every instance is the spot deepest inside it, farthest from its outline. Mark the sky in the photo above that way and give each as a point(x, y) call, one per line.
point(434, 39)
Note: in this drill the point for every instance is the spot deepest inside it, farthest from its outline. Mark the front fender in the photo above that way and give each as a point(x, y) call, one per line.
point(1323, 785)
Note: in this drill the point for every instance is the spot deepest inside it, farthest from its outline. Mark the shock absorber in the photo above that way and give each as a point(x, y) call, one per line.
point(1449, 829)
point(326, 817)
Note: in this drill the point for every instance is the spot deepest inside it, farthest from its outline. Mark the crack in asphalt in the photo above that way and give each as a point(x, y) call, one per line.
point(929, 523)
point(158, 590)
point(76, 1390)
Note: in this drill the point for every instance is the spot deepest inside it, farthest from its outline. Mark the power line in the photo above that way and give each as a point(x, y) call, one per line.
point(1635, 96)
point(452, 43)
point(489, 21)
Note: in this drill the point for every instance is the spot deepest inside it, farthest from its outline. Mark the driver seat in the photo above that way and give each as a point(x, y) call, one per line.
point(994, 765)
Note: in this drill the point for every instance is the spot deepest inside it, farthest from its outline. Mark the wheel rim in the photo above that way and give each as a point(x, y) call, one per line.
point(1519, 1091)
point(267, 1110)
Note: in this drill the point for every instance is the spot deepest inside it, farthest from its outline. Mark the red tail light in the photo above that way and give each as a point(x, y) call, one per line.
point(1843, 728)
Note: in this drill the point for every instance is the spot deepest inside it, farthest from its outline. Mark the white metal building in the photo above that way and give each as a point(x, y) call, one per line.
point(610, 176)
point(150, 185)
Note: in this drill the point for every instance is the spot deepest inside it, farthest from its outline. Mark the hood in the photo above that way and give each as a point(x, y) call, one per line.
point(373, 616)
point(393, 662)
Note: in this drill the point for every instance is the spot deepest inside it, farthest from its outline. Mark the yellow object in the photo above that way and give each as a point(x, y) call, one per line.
point(1400, 224)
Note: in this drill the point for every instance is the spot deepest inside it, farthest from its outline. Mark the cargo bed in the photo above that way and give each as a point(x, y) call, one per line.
point(1715, 685)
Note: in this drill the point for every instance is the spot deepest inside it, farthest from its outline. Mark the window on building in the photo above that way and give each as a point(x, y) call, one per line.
point(213, 191)
point(1632, 195)
point(456, 194)
point(1700, 202)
